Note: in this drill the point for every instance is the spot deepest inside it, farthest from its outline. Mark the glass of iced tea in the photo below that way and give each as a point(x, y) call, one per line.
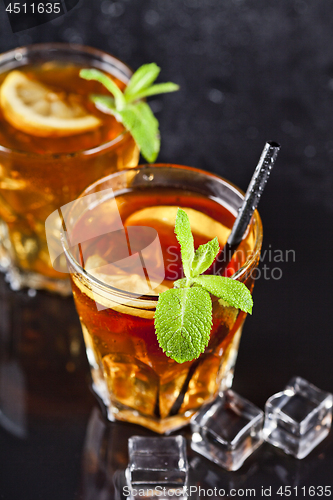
point(122, 251)
point(53, 144)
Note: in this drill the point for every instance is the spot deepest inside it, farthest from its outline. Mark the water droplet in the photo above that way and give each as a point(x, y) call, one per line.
point(147, 177)
point(215, 96)
point(152, 17)
point(310, 151)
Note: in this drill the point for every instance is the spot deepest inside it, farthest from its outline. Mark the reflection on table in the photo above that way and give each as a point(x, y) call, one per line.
point(56, 443)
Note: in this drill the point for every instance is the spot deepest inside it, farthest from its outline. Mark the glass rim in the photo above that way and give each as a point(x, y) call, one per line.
point(79, 48)
point(154, 297)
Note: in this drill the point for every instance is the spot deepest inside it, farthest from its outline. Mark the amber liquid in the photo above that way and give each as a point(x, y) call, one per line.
point(65, 81)
point(40, 174)
point(144, 385)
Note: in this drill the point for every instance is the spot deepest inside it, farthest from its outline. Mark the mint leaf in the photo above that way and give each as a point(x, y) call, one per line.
point(159, 88)
point(140, 121)
point(103, 102)
point(186, 241)
point(204, 257)
point(183, 317)
point(109, 84)
point(182, 283)
point(186, 336)
point(142, 79)
point(128, 109)
point(231, 291)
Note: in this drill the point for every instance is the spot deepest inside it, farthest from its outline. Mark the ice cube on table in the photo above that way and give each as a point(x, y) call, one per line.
point(157, 460)
point(298, 418)
point(227, 430)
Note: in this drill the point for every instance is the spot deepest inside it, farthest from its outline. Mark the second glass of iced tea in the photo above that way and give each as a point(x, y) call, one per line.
point(122, 251)
point(53, 143)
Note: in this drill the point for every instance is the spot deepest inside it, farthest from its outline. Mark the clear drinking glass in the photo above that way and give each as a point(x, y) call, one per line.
point(136, 380)
point(39, 174)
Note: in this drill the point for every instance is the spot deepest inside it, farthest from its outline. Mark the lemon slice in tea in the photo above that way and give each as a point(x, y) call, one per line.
point(114, 276)
point(111, 275)
point(165, 215)
point(35, 109)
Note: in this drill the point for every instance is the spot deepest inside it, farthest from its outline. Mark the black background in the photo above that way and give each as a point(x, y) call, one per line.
point(249, 71)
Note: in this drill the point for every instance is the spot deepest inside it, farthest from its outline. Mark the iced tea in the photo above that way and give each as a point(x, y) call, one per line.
point(137, 381)
point(41, 167)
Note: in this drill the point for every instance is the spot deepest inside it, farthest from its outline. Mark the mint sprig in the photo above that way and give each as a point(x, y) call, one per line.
point(186, 241)
point(128, 108)
point(183, 317)
point(187, 334)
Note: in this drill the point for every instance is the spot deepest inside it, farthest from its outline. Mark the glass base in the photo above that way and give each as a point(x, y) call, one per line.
point(117, 410)
point(161, 426)
point(125, 414)
point(19, 279)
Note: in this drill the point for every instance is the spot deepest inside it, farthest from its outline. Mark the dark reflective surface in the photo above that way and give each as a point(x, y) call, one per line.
point(55, 443)
point(249, 72)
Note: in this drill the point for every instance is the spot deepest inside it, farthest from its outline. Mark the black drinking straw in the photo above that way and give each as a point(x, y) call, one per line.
point(250, 203)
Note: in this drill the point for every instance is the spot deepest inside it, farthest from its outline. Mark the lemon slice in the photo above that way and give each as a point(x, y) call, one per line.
point(35, 109)
point(97, 267)
point(201, 224)
point(133, 283)
point(117, 278)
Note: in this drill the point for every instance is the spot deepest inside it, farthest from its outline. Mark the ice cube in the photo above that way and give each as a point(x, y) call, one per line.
point(298, 418)
point(157, 467)
point(227, 430)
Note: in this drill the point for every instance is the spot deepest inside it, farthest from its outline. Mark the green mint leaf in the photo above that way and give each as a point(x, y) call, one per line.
point(186, 241)
point(181, 283)
point(128, 109)
point(103, 102)
point(186, 336)
point(109, 84)
point(140, 121)
point(159, 88)
point(204, 257)
point(231, 291)
point(183, 317)
point(142, 79)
